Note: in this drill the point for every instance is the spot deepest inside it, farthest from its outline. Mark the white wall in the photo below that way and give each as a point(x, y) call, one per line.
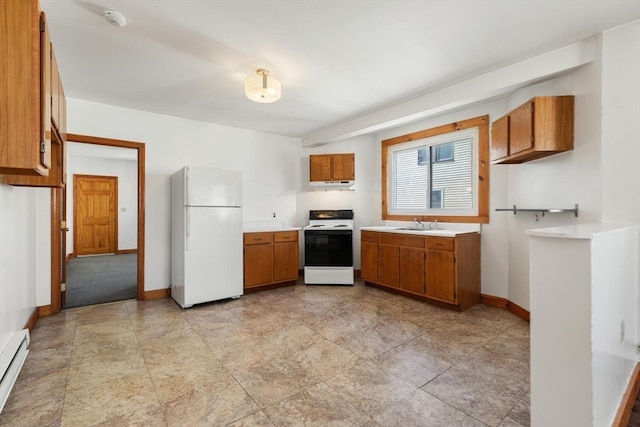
point(621, 148)
point(18, 229)
point(558, 181)
point(127, 173)
point(268, 163)
point(620, 123)
point(364, 199)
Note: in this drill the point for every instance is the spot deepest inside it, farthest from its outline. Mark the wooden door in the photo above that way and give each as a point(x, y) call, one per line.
point(369, 261)
point(521, 128)
point(95, 225)
point(59, 239)
point(285, 261)
point(58, 250)
point(412, 270)
point(343, 167)
point(440, 276)
point(500, 138)
point(320, 167)
point(258, 264)
point(388, 264)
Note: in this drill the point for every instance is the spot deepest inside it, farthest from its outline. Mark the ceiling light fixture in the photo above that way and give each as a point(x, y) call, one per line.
point(115, 18)
point(262, 87)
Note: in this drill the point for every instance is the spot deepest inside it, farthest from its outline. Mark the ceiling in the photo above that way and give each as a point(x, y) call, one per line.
point(336, 60)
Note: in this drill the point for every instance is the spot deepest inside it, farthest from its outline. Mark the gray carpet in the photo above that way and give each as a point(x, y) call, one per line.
point(99, 279)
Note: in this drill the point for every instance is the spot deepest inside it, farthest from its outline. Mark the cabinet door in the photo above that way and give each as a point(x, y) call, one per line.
point(521, 128)
point(500, 138)
point(440, 276)
point(62, 111)
point(24, 141)
point(412, 270)
point(320, 167)
point(285, 261)
point(343, 167)
point(389, 265)
point(369, 261)
point(57, 173)
point(258, 265)
point(45, 94)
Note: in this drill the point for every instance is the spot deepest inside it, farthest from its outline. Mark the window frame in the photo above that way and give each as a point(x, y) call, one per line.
point(481, 215)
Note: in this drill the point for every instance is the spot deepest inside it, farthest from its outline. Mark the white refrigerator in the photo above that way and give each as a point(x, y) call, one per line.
point(206, 235)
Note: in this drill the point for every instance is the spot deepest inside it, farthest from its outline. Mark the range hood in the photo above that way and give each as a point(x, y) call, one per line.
point(332, 185)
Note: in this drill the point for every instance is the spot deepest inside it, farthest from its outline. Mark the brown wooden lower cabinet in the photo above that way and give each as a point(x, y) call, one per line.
point(270, 258)
point(441, 270)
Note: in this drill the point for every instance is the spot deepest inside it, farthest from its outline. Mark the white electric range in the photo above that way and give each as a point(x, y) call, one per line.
point(328, 248)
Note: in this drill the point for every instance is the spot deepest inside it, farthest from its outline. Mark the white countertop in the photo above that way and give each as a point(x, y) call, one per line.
point(260, 229)
point(579, 231)
point(440, 233)
point(266, 226)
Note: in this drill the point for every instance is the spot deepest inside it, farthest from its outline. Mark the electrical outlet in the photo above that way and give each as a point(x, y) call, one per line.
point(622, 330)
point(273, 214)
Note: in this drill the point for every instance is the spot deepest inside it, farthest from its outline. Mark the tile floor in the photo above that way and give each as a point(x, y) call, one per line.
point(294, 356)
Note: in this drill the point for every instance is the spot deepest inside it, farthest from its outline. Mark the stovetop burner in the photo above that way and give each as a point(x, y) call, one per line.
point(330, 219)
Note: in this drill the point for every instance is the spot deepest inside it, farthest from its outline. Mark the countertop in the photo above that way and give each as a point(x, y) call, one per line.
point(266, 229)
point(579, 231)
point(440, 233)
point(266, 226)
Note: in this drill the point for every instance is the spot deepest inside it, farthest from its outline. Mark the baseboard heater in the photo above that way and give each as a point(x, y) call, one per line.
point(11, 360)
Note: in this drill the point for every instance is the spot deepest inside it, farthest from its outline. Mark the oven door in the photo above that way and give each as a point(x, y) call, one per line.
point(328, 248)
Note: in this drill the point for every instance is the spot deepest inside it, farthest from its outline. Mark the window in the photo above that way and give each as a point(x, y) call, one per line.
point(436, 198)
point(422, 156)
point(442, 152)
point(440, 173)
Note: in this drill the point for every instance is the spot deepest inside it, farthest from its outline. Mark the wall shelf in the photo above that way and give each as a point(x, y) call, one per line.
point(541, 211)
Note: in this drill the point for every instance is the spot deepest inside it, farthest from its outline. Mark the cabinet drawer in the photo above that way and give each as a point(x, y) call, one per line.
point(402, 240)
point(369, 236)
point(440, 243)
point(257, 238)
point(285, 236)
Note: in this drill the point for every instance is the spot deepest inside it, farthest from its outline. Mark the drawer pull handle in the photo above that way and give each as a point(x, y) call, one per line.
point(439, 244)
point(257, 240)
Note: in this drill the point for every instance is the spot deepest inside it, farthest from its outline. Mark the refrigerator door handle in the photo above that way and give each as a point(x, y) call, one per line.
point(188, 228)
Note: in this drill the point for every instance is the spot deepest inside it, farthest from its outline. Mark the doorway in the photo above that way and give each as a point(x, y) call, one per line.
point(59, 255)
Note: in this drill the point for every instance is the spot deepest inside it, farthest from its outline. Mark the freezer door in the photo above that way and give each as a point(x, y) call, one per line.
point(213, 187)
point(213, 254)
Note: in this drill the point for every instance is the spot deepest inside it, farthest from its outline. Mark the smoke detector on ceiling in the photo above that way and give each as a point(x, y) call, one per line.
point(115, 18)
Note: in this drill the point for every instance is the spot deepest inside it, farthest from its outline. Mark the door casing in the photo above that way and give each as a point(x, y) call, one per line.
point(58, 256)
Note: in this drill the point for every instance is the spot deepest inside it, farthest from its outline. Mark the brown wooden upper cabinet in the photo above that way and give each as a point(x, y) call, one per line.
point(332, 167)
point(25, 118)
point(538, 128)
point(49, 169)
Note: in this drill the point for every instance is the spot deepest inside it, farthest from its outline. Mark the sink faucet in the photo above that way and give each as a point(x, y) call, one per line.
point(433, 225)
point(417, 223)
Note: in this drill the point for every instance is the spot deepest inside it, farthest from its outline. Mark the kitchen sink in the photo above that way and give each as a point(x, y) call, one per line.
point(427, 231)
point(418, 229)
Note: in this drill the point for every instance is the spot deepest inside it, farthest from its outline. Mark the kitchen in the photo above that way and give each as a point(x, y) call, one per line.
point(275, 173)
